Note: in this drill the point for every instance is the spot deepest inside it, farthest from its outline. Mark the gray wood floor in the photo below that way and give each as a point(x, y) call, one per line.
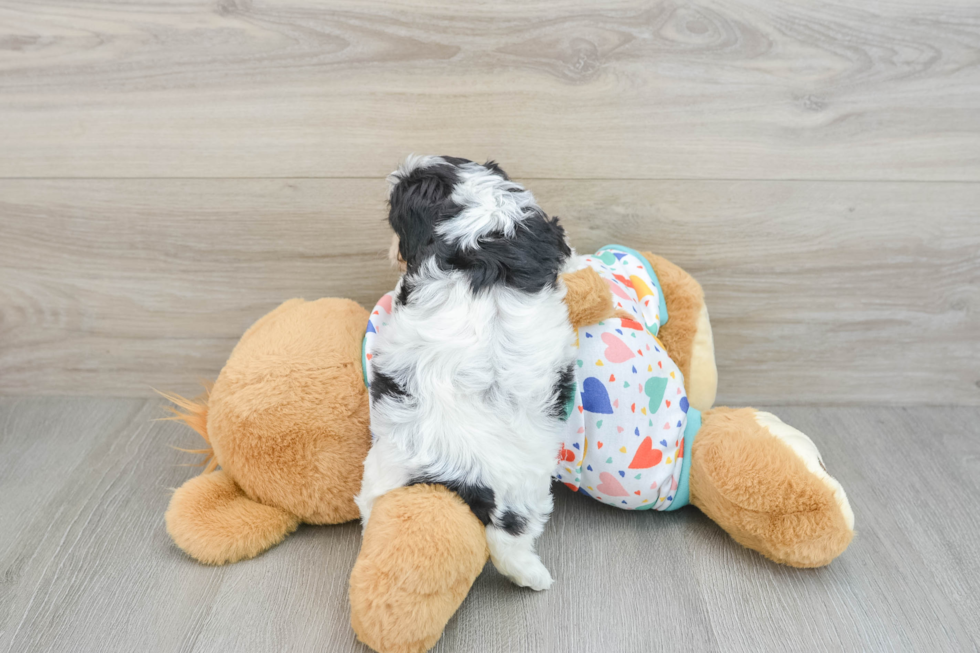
point(85, 563)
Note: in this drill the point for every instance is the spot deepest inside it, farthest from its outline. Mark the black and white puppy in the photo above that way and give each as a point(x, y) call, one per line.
point(472, 374)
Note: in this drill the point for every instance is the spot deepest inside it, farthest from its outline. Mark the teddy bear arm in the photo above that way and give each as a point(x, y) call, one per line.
point(764, 483)
point(214, 522)
point(588, 298)
point(687, 332)
point(422, 549)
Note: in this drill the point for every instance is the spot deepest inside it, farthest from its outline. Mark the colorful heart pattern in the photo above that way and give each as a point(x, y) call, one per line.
point(630, 393)
point(610, 486)
point(646, 456)
point(617, 351)
point(655, 388)
point(595, 397)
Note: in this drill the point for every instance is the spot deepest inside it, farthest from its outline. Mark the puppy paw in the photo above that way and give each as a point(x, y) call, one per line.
point(532, 574)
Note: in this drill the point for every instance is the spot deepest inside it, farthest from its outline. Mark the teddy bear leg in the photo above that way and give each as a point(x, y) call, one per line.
point(765, 484)
point(212, 520)
point(421, 552)
point(687, 332)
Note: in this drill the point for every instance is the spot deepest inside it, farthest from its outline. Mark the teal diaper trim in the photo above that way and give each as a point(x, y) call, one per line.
point(570, 404)
point(364, 360)
point(649, 268)
point(683, 495)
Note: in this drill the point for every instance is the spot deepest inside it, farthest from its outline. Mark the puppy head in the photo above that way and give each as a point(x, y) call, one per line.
point(471, 217)
point(452, 198)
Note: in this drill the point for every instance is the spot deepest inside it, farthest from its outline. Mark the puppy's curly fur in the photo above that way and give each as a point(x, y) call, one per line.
point(471, 376)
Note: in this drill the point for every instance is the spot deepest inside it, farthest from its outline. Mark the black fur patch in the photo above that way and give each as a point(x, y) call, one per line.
point(418, 203)
point(405, 291)
point(454, 160)
point(564, 389)
point(512, 522)
point(529, 261)
point(495, 168)
point(383, 385)
point(479, 498)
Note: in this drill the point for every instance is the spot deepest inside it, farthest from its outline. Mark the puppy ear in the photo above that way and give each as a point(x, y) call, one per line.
point(495, 168)
point(420, 199)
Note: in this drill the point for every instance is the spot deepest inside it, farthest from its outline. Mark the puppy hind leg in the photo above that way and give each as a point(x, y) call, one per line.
point(382, 474)
point(515, 558)
point(511, 536)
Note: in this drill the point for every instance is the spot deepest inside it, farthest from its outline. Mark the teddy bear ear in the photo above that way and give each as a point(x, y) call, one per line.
point(212, 520)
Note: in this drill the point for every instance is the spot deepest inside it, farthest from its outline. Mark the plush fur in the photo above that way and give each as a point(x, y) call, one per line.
point(687, 333)
point(194, 414)
point(470, 376)
point(212, 520)
point(425, 548)
point(285, 413)
point(287, 421)
point(588, 298)
point(759, 490)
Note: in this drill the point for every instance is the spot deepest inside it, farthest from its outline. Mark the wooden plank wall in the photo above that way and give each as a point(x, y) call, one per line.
point(172, 169)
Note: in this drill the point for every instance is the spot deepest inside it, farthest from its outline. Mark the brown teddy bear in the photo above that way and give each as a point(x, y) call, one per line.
point(287, 422)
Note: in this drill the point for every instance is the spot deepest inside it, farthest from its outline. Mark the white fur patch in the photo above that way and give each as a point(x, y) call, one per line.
point(479, 373)
point(803, 447)
point(490, 204)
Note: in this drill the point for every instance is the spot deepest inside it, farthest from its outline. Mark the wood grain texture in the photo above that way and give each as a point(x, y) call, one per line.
point(623, 89)
point(818, 291)
point(85, 562)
